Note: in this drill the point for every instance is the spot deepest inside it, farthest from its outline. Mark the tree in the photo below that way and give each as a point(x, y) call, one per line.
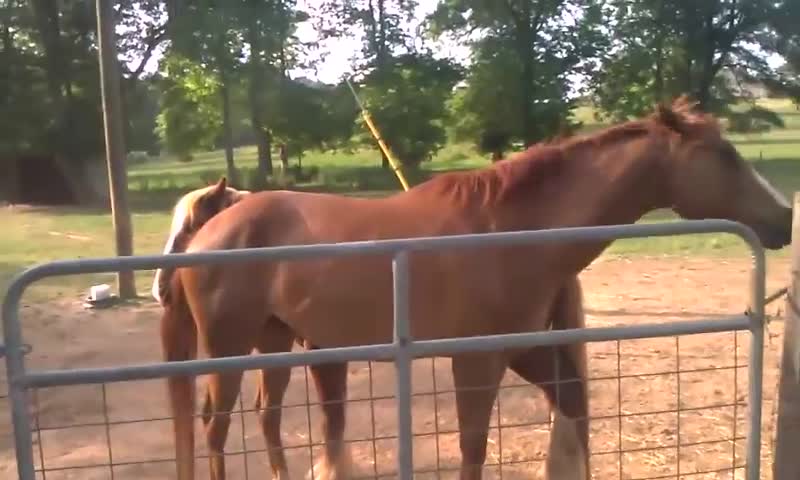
point(71, 124)
point(518, 83)
point(786, 40)
point(312, 116)
point(384, 36)
point(50, 83)
point(407, 101)
point(664, 47)
point(190, 118)
point(205, 32)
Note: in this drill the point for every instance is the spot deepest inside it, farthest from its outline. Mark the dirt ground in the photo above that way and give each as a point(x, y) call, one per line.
point(635, 414)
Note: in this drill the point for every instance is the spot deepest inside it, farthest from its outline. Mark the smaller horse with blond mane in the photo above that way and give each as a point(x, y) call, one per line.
point(191, 212)
point(676, 158)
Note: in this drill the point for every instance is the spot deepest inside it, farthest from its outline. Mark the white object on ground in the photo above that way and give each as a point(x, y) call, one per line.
point(99, 292)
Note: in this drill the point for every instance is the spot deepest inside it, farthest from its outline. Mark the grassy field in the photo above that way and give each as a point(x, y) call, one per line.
point(35, 235)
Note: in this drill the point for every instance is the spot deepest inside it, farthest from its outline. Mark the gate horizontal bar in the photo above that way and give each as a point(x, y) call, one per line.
point(390, 246)
point(380, 352)
point(490, 343)
point(149, 371)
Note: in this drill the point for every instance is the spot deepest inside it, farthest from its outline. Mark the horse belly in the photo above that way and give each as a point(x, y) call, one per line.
point(345, 303)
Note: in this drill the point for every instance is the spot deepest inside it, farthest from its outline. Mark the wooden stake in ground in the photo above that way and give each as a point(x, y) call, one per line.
point(786, 464)
point(115, 148)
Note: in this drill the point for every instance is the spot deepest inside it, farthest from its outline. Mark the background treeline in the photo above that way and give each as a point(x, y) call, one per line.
point(225, 73)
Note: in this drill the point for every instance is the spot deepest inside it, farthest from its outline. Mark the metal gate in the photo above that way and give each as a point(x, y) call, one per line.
point(403, 349)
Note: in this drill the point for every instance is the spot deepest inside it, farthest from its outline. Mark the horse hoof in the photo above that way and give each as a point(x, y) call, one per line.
point(281, 475)
point(567, 458)
point(324, 469)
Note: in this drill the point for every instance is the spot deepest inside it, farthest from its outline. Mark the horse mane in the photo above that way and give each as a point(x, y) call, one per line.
point(525, 170)
point(185, 209)
point(190, 213)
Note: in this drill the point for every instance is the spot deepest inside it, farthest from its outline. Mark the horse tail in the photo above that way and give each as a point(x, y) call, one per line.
point(179, 342)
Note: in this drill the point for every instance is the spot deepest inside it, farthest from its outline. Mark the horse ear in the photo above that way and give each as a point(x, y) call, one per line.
point(222, 184)
point(685, 104)
point(218, 192)
point(670, 118)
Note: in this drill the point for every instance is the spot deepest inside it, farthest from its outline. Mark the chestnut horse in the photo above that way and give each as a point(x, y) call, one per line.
point(195, 208)
point(675, 158)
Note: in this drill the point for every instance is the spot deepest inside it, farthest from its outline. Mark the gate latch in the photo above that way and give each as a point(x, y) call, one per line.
point(26, 349)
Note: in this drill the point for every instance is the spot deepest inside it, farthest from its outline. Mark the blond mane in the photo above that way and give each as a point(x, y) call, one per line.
point(184, 213)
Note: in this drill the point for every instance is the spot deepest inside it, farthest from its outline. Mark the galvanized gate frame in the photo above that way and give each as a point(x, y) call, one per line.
point(403, 349)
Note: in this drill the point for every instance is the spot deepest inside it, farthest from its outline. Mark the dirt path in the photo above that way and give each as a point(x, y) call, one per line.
point(618, 291)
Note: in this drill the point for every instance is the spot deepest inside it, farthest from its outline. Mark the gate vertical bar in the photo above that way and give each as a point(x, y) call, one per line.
point(402, 362)
point(756, 370)
point(787, 421)
point(17, 393)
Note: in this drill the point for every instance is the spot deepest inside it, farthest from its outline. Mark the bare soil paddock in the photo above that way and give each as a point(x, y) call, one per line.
point(618, 291)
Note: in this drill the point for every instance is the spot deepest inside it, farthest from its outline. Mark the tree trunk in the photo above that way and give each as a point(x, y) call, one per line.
point(658, 85)
point(263, 145)
point(46, 15)
point(707, 72)
point(284, 156)
point(524, 48)
point(9, 183)
point(227, 131)
point(689, 48)
point(262, 134)
point(174, 10)
point(381, 54)
point(47, 21)
point(115, 149)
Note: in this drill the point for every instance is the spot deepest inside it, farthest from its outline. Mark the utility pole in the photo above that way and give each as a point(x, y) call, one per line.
point(115, 147)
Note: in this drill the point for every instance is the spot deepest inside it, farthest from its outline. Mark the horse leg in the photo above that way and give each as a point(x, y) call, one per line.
point(561, 373)
point(330, 380)
point(223, 390)
point(277, 337)
point(568, 457)
point(477, 378)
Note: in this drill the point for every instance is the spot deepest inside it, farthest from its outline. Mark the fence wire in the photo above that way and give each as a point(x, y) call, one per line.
point(518, 436)
point(109, 448)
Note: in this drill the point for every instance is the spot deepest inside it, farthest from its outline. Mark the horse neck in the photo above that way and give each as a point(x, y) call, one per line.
point(627, 181)
point(613, 183)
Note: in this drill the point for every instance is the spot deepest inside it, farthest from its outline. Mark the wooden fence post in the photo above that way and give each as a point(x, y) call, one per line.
point(786, 461)
point(115, 141)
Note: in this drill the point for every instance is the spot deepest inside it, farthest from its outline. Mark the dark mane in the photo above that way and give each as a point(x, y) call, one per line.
point(523, 171)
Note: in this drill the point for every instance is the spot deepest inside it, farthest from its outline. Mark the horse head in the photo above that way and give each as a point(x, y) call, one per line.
point(191, 212)
point(708, 178)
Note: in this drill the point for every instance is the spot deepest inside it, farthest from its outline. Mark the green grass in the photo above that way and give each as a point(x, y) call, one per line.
point(39, 235)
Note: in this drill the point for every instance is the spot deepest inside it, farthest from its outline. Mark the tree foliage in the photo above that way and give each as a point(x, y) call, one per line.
point(524, 53)
point(708, 49)
point(226, 76)
point(190, 118)
point(407, 102)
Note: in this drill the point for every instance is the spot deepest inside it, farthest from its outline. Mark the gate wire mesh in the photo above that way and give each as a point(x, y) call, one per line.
point(632, 434)
point(502, 459)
